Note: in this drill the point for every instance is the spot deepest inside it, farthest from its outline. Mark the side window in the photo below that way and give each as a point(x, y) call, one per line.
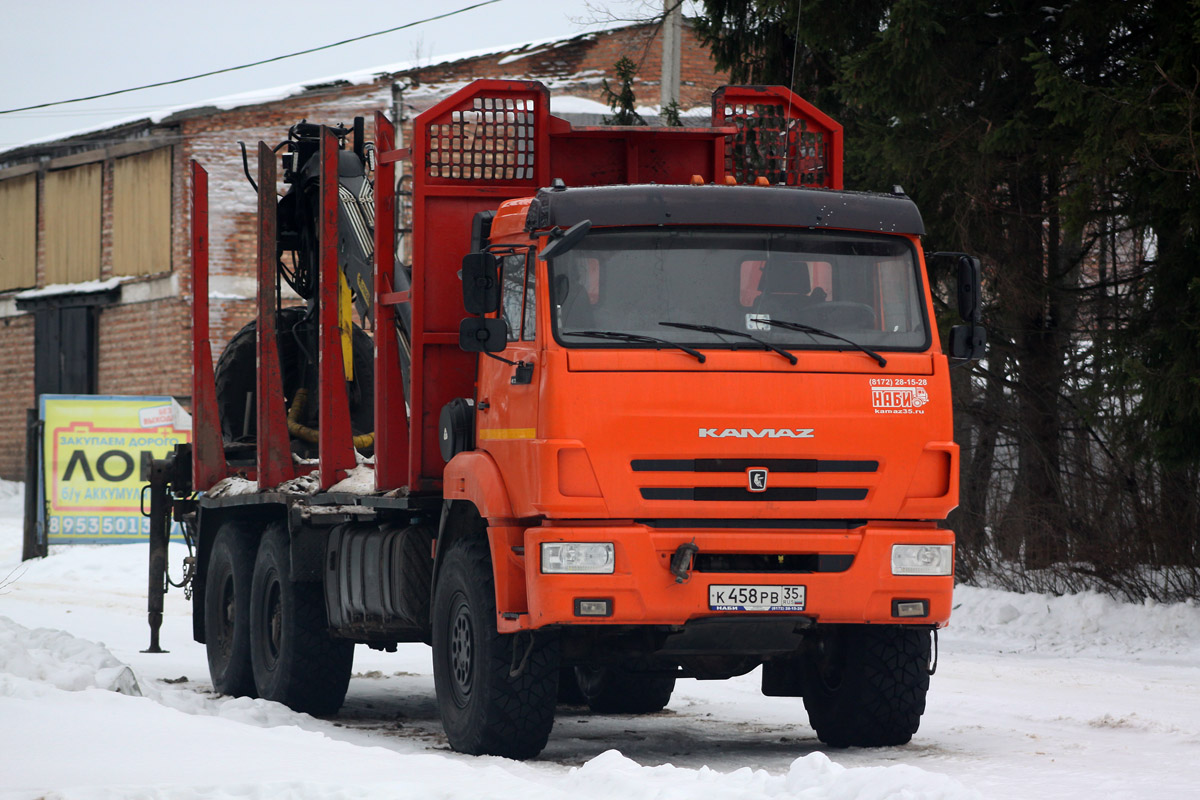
point(900, 306)
point(517, 305)
point(529, 328)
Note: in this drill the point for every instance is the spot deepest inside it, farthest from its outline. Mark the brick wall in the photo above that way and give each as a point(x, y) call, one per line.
point(145, 348)
point(16, 392)
point(579, 66)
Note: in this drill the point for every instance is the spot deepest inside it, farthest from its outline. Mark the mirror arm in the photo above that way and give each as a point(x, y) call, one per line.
point(501, 358)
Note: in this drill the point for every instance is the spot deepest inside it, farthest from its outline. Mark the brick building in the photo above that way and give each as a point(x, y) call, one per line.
point(95, 263)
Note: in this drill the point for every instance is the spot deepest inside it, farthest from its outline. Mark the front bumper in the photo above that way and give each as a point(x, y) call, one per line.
point(643, 591)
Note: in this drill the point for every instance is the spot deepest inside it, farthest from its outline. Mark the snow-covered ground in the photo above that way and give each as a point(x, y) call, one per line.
point(1034, 697)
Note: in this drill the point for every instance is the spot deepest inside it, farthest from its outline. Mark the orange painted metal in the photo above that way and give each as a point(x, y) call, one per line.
point(473, 476)
point(644, 591)
point(494, 141)
point(208, 453)
point(391, 422)
point(448, 190)
point(559, 454)
point(507, 544)
point(273, 451)
point(334, 438)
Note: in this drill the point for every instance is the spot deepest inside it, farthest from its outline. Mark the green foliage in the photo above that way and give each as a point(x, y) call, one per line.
point(622, 102)
point(1060, 142)
point(670, 115)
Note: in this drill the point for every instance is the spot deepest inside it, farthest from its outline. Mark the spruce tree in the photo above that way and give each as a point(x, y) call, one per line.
point(622, 102)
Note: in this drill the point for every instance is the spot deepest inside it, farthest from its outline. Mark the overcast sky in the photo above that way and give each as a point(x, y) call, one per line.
point(59, 49)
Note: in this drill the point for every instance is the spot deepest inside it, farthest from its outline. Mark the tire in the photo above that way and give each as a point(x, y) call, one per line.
point(227, 613)
point(236, 375)
point(569, 693)
point(295, 660)
point(865, 685)
point(484, 710)
point(614, 690)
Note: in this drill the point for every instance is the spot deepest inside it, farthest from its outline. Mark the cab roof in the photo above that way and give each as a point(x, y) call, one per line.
point(653, 204)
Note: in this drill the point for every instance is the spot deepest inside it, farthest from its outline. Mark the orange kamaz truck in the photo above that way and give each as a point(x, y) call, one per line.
point(648, 404)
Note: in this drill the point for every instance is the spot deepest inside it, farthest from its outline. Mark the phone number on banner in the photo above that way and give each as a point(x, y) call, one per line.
point(99, 526)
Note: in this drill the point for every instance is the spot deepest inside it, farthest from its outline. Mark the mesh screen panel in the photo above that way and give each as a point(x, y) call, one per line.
point(771, 144)
point(493, 140)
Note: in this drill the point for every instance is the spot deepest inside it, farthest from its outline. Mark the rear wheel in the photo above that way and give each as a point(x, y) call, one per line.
point(569, 693)
point(865, 685)
point(496, 692)
point(296, 662)
point(227, 613)
point(615, 690)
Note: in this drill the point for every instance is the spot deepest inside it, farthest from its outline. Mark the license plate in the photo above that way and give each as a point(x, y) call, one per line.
point(756, 598)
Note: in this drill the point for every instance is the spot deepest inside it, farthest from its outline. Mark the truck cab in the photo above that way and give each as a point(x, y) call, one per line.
point(718, 367)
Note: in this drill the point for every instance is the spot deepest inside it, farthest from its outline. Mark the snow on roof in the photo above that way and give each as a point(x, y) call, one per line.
point(566, 104)
point(83, 287)
point(354, 78)
point(518, 56)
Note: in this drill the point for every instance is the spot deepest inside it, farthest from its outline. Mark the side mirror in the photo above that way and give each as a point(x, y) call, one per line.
point(483, 335)
point(970, 288)
point(967, 341)
point(566, 241)
point(481, 283)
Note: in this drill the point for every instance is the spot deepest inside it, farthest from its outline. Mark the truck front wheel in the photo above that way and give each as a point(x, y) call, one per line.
point(227, 613)
point(865, 685)
point(296, 661)
point(496, 692)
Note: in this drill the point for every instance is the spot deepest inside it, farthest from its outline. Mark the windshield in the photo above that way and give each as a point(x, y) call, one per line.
point(659, 282)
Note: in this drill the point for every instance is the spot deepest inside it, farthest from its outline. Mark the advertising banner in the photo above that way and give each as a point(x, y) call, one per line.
point(92, 456)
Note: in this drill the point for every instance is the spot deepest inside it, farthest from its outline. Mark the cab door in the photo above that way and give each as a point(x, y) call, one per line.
point(507, 402)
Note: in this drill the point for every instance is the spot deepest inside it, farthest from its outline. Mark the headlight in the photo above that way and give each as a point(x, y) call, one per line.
point(922, 559)
point(593, 557)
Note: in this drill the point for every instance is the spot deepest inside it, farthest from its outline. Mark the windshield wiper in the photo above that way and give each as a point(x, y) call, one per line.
point(637, 337)
point(809, 329)
point(731, 332)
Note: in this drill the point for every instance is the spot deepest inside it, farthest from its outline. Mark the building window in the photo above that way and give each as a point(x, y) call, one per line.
point(18, 232)
point(142, 213)
point(72, 214)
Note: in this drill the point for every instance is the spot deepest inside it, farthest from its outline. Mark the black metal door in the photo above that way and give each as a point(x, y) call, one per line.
point(65, 352)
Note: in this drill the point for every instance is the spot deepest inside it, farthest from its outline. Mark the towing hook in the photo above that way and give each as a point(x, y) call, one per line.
point(681, 561)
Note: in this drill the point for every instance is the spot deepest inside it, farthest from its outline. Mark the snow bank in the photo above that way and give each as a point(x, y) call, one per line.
point(57, 659)
point(813, 777)
point(1004, 721)
point(148, 746)
point(123, 747)
point(1078, 624)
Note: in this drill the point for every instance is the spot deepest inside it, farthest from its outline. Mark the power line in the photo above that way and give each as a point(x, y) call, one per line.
point(253, 64)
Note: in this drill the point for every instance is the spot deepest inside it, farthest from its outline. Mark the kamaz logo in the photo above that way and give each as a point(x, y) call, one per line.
point(756, 433)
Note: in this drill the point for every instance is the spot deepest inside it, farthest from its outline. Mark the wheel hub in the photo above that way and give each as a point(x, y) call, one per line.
point(228, 607)
point(461, 652)
point(274, 621)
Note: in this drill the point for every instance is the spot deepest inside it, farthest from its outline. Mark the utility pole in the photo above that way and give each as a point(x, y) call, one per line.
point(671, 53)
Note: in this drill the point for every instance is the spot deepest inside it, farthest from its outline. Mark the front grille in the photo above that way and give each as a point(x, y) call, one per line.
point(762, 563)
point(726, 494)
point(743, 464)
point(772, 524)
